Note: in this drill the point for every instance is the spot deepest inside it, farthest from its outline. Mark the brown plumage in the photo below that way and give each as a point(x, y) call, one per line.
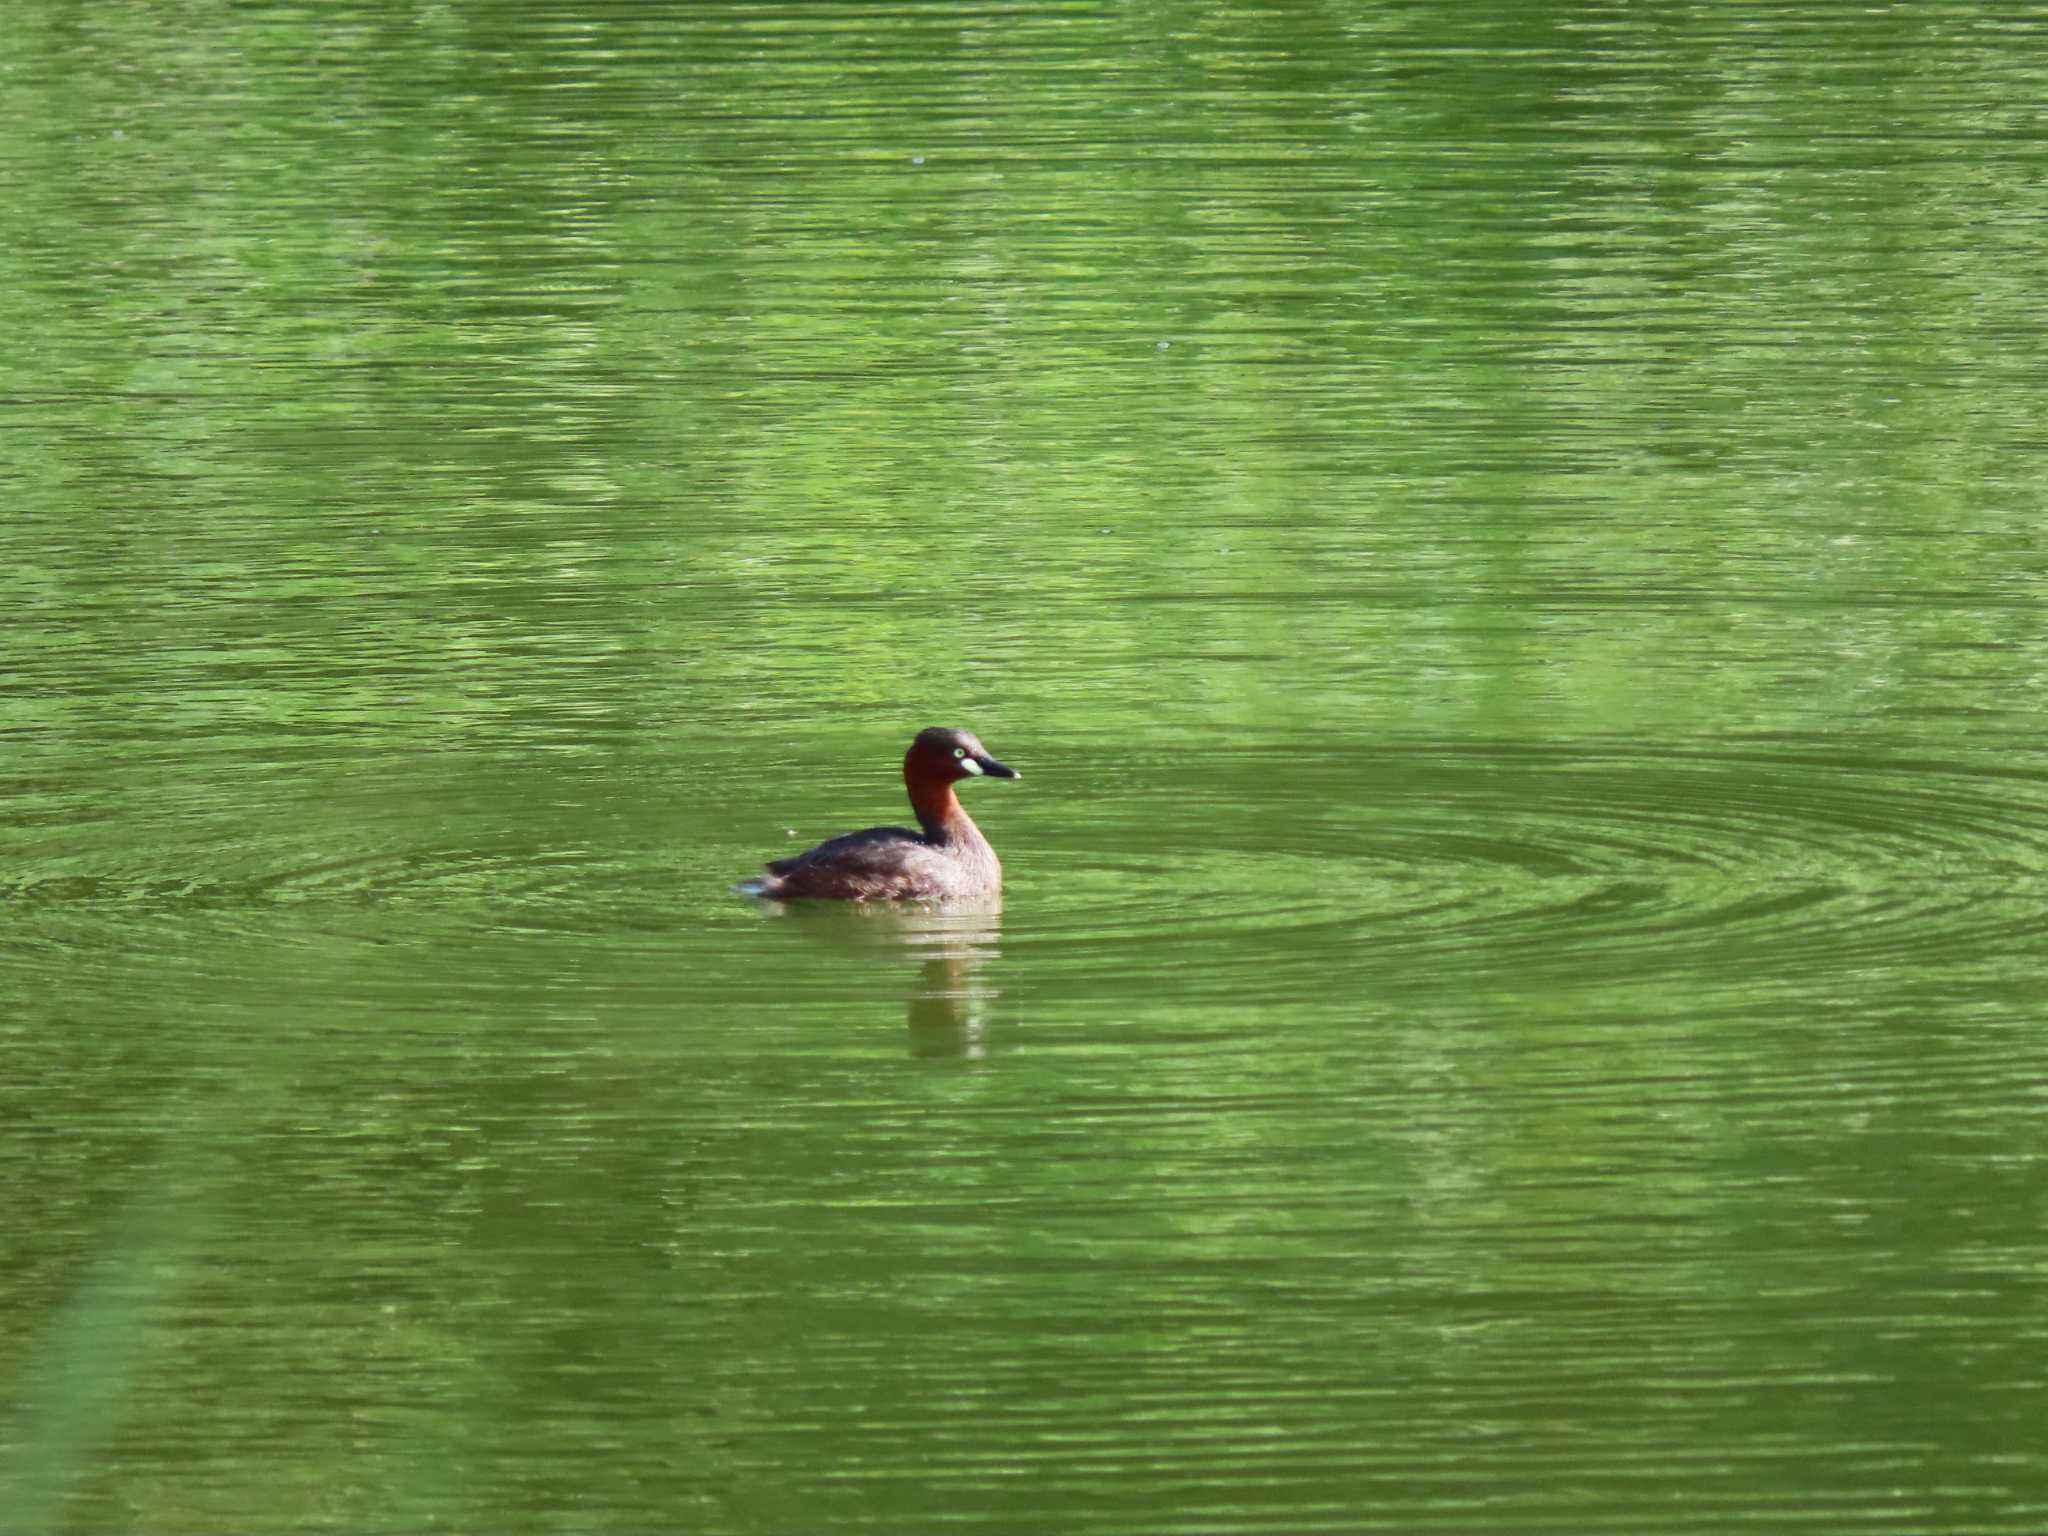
point(946, 859)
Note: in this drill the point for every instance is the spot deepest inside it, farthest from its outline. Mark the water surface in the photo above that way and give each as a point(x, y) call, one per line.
point(1504, 546)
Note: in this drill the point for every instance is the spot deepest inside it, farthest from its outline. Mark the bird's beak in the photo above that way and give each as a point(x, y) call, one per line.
point(995, 770)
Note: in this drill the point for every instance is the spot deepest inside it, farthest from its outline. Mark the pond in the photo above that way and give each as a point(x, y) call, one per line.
point(1504, 543)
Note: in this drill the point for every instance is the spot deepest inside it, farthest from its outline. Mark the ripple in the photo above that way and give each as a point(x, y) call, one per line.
point(1509, 861)
point(1275, 870)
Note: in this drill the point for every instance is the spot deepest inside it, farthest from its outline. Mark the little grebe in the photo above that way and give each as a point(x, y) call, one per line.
point(947, 859)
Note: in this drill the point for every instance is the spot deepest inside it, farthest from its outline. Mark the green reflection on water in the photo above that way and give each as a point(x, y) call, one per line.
point(1504, 544)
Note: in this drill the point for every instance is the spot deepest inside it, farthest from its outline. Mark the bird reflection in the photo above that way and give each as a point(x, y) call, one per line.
point(947, 1009)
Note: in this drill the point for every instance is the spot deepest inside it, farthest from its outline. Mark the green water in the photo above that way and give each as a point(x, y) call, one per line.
point(1505, 542)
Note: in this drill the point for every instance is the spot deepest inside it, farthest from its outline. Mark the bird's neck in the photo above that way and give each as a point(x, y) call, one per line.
point(940, 813)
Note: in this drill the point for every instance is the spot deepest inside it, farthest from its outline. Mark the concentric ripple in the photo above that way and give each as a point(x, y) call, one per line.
point(1512, 862)
point(1272, 871)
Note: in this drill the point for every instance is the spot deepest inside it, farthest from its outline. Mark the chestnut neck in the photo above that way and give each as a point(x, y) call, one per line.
point(939, 812)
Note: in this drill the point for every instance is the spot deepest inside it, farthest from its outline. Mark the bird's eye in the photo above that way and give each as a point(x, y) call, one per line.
point(959, 751)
